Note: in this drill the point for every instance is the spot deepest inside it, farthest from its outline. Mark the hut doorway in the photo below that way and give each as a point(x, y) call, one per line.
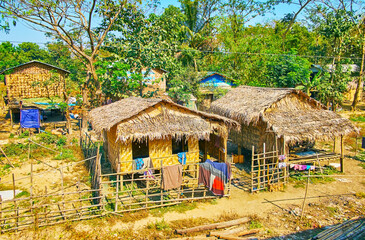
point(140, 149)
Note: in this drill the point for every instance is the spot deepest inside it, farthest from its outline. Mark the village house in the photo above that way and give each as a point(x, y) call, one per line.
point(283, 117)
point(28, 83)
point(135, 128)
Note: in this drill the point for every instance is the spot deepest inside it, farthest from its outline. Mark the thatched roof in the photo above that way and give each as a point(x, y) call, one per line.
point(35, 61)
point(307, 119)
point(135, 119)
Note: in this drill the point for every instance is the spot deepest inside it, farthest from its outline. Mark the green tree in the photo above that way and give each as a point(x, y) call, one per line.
point(333, 83)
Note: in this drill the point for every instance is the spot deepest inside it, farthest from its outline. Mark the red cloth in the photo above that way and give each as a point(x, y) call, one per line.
point(218, 186)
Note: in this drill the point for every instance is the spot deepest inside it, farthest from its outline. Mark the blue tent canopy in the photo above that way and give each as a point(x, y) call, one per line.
point(30, 118)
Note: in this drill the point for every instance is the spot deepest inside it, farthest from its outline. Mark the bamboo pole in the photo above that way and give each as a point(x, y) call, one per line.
point(342, 154)
point(252, 159)
point(15, 202)
point(1, 214)
point(11, 119)
point(6, 157)
point(62, 189)
point(305, 196)
point(161, 183)
point(213, 226)
point(117, 189)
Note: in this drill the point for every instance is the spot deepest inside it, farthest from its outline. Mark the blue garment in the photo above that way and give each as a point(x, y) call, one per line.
point(182, 157)
point(139, 163)
point(221, 167)
point(30, 118)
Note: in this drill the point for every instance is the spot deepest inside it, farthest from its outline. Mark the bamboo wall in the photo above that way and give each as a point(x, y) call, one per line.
point(21, 83)
point(159, 150)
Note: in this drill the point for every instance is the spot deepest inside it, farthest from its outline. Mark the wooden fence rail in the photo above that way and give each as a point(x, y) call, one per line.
point(107, 193)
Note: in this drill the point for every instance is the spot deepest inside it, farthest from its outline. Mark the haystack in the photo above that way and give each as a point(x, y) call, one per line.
point(158, 124)
point(283, 113)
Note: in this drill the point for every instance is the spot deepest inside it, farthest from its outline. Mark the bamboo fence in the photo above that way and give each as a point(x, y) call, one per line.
point(265, 170)
point(111, 193)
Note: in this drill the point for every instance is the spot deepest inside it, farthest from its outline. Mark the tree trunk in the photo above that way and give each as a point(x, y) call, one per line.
point(359, 81)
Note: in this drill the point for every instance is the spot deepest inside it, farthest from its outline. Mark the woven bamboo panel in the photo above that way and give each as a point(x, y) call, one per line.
point(113, 147)
point(193, 154)
point(26, 82)
point(126, 155)
point(159, 149)
point(30, 86)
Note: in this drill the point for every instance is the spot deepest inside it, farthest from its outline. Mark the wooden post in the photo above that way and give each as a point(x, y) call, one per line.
point(147, 188)
point(11, 119)
point(45, 208)
point(161, 191)
point(79, 191)
point(225, 148)
point(305, 195)
point(334, 144)
point(239, 149)
point(342, 154)
point(63, 194)
point(1, 213)
point(252, 159)
point(264, 163)
point(117, 188)
point(15, 204)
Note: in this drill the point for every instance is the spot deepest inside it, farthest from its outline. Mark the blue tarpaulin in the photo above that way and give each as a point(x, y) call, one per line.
point(29, 118)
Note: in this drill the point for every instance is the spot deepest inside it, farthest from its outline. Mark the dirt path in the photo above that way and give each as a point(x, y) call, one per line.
point(245, 204)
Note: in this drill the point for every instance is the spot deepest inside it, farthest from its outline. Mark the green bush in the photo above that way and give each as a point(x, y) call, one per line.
point(24, 134)
point(14, 149)
point(47, 138)
point(61, 141)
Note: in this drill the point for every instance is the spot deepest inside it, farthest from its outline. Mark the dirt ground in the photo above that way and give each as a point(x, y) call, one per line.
point(273, 213)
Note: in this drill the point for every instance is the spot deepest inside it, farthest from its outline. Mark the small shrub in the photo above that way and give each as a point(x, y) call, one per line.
point(15, 149)
point(47, 138)
point(61, 141)
point(254, 224)
point(362, 165)
point(23, 194)
point(159, 225)
point(24, 134)
point(357, 118)
point(11, 135)
point(65, 154)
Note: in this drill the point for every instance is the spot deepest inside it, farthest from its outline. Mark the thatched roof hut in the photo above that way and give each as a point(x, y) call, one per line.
point(33, 80)
point(288, 113)
point(157, 121)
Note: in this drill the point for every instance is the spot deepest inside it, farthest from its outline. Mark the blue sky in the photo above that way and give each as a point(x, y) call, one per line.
point(23, 33)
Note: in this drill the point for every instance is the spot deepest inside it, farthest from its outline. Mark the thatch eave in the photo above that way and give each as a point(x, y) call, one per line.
point(134, 122)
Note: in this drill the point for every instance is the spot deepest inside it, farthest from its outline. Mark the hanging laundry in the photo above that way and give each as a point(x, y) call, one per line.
point(204, 176)
point(171, 177)
point(301, 167)
point(224, 168)
point(147, 163)
point(182, 157)
point(214, 176)
point(282, 164)
point(148, 174)
point(138, 164)
point(218, 186)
